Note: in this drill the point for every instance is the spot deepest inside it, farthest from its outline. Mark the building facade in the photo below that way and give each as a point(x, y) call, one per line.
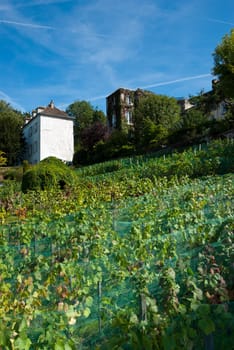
point(120, 106)
point(49, 132)
point(214, 105)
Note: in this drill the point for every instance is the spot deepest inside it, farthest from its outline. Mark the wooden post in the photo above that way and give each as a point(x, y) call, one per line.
point(143, 308)
point(113, 212)
point(34, 244)
point(19, 245)
point(99, 306)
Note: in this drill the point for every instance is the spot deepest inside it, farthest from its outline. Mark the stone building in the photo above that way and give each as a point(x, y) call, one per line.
point(120, 106)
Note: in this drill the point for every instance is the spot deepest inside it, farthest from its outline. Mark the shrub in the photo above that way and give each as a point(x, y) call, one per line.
point(81, 157)
point(49, 173)
point(13, 174)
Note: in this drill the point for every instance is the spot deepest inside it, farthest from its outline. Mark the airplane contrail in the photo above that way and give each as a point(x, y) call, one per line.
point(158, 84)
point(31, 25)
point(176, 80)
point(7, 98)
point(40, 26)
point(219, 21)
point(96, 98)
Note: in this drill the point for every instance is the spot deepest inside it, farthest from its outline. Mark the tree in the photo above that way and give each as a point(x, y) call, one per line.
point(155, 118)
point(153, 134)
point(193, 127)
point(93, 134)
point(11, 136)
point(85, 115)
point(3, 159)
point(224, 65)
point(193, 118)
point(206, 102)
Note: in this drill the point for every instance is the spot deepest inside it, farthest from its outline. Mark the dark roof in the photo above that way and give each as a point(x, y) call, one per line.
point(53, 111)
point(50, 111)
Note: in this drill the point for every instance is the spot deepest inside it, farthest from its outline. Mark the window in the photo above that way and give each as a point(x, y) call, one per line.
point(30, 150)
point(30, 131)
point(128, 116)
point(35, 147)
point(114, 120)
point(223, 108)
point(35, 128)
point(128, 100)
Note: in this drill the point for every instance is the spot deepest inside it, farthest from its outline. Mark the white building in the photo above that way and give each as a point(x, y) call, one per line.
point(49, 132)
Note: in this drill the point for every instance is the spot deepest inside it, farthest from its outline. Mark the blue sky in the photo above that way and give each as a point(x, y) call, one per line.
point(69, 50)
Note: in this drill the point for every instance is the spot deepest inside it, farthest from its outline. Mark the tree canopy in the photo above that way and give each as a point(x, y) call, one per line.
point(93, 134)
point(155, 118)
point(224, 65)
point(11, 139)
point(3, 159)
point(85, 115)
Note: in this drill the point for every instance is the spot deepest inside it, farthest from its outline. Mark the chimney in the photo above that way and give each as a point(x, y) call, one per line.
point(51, 104)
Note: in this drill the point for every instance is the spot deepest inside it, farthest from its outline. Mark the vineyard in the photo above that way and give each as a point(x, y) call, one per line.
point(137, 255)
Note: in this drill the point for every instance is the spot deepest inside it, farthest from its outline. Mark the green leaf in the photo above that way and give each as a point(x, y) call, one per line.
point(59, 345)
point(133, 319)
point(168, 342)
point(67, 347)
point(22, 342)
point(203, 310)
point(37, 275)
point(3, 338)
point(23, 325)
point(86, 312)
point(89, 301)
point(206, 325)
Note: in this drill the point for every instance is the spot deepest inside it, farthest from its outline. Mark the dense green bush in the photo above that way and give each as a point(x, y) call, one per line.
point(49, 173)
point(116, 146)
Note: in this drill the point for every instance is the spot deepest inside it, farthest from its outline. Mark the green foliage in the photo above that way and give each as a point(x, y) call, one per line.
point(155, 118)
point(15, 173)
point(224, 65)
point(206, 159)
point(153, 135)
point(206, 102)
point(194, 127)
point(92, 135)
point(49, 173)
point(11, 139)
point(115, 146)
point(3, 159)
point(25, 165)
point(194, 118)
point(85, 115)
point(137, 255)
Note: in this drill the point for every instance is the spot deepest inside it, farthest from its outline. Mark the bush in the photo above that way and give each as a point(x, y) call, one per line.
point(13, 174)
point(49, 173)
point(81, 157)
